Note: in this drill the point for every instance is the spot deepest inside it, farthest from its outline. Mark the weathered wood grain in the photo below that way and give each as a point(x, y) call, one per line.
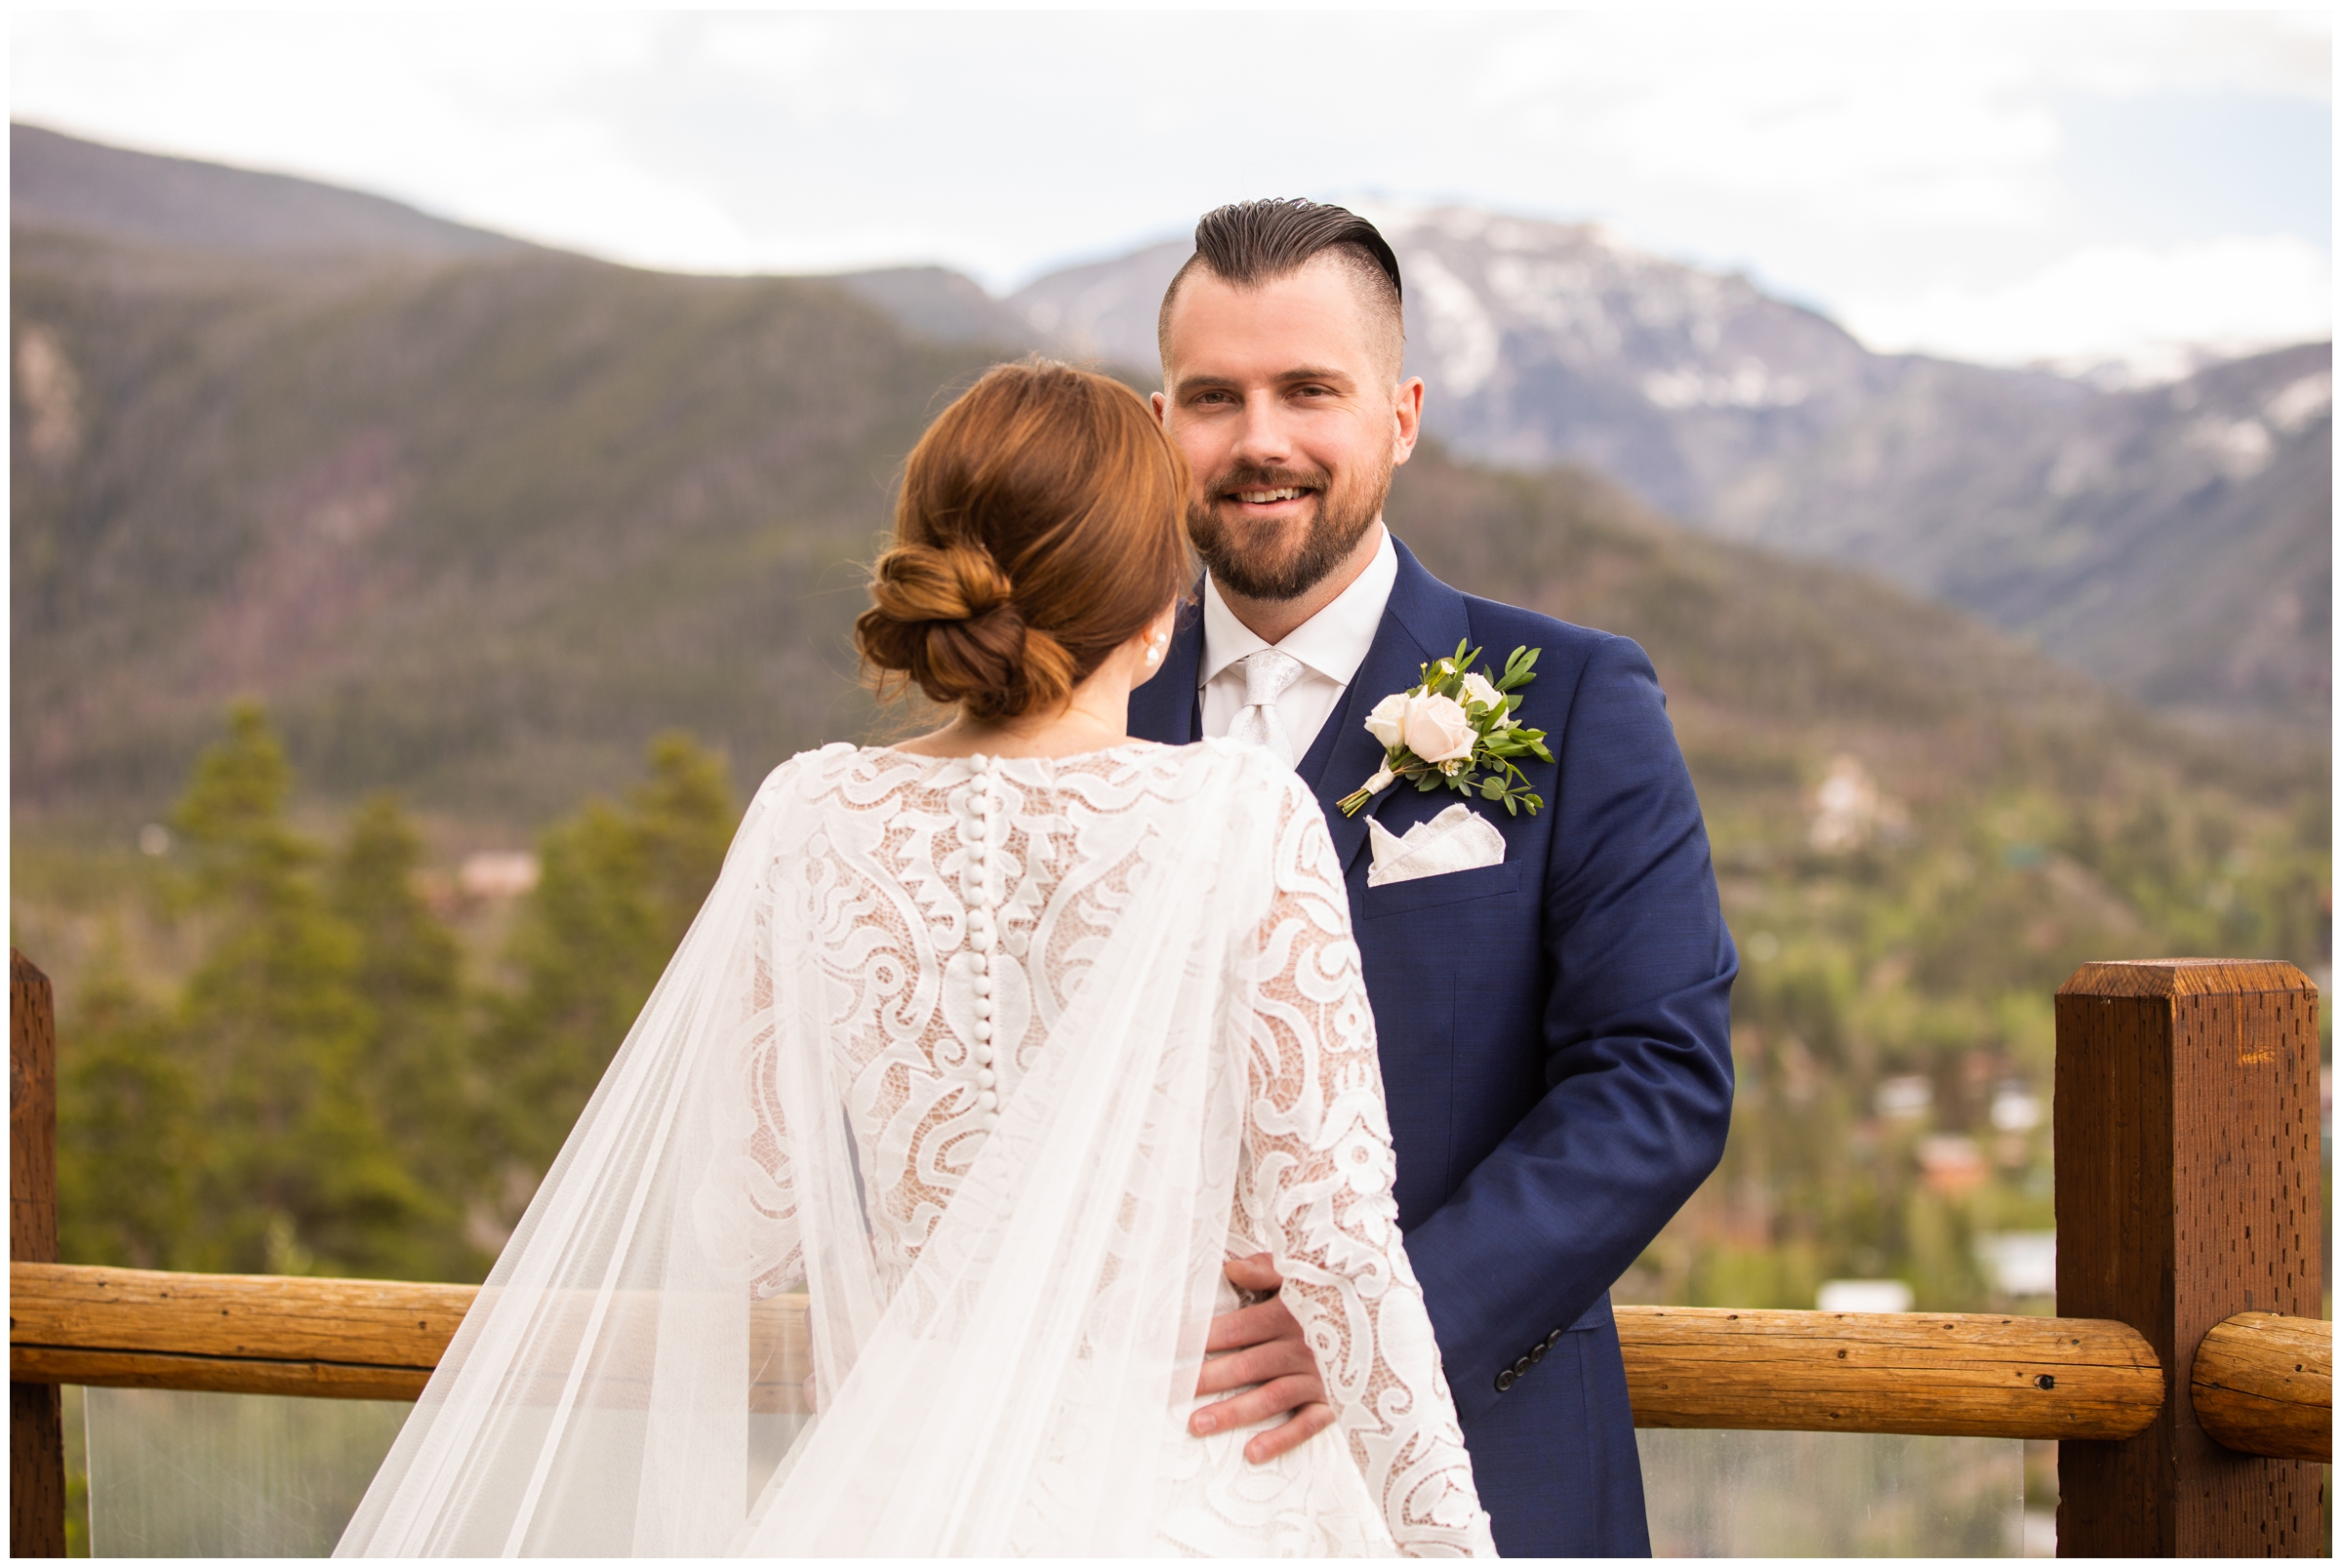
point(213, 1374)
point(367, 1322)
point(1954, 1374)
point(36, 1418)
point(336, 1338)
point(2264, 1384)
point(31, 1113)
point(1991, 1376)
point(2186, 1127)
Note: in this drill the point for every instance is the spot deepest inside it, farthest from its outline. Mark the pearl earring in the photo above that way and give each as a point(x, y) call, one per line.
point(1154, 649)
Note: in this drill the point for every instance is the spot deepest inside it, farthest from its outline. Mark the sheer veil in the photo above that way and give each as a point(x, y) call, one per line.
point(620, 1387)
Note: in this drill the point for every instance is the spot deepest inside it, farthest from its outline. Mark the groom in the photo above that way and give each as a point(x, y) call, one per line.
point(1554, 1024)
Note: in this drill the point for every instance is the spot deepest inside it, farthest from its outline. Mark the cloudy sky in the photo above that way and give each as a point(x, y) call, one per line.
point(1996, 187)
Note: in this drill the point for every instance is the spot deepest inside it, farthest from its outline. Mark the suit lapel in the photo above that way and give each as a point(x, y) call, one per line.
point(1165, 707)
point(1422, 621)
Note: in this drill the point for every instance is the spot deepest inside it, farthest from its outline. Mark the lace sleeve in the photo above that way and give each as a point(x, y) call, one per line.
point(1317, 1188)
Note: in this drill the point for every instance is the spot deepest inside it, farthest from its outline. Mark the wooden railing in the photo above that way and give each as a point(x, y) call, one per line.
point(365, 1339)
point(2187, 1165)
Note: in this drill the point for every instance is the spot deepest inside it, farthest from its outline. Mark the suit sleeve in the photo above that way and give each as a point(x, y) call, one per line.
point(1636, 1036)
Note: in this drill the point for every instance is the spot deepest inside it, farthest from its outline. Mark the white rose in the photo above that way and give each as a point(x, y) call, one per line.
point(1387, 715)
point(1436, 729)
point(1478, 689)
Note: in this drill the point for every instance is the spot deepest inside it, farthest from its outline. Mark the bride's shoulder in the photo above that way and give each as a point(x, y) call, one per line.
point(821, 763)
point(841, 766)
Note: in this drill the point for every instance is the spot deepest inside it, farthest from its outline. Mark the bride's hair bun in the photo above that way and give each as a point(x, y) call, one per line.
point(1037, 531)
point(943, 619)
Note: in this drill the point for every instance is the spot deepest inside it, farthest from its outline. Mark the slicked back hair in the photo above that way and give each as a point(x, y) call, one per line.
point(1249, 244)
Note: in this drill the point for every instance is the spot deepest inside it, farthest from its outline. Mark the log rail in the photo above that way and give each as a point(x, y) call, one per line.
point(2263, 1382)
point(1965, 1375)
point(2265, 1385)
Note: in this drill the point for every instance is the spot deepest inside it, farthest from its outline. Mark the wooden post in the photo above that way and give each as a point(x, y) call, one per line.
point(36, 1421)
point(2186, 1121)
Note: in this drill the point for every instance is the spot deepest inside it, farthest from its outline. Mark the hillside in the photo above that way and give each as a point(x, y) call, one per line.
point(472, 529)
point(60, 182)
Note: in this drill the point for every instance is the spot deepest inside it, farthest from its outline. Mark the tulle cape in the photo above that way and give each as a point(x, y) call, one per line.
point(616, 1389)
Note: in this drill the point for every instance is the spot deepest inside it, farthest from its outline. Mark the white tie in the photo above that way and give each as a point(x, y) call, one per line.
point(1267, 675)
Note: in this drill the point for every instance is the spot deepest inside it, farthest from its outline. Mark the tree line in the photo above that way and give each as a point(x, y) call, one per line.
point(331, 1091)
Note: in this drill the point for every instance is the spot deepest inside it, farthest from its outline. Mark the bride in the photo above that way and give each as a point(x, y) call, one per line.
point(996, 1045)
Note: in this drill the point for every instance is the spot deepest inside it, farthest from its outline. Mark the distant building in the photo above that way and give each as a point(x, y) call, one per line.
point(1863, 1296)
point(495, 874)
point(1850, 809)
point(2020, 1263)
point(1904, 1099)
point(1951, 1164)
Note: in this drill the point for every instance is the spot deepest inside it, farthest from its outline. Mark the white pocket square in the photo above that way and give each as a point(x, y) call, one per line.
point(1458, 839)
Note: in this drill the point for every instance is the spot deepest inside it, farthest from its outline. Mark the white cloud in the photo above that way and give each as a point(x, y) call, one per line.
point(1895, 167)
point(2120, 302)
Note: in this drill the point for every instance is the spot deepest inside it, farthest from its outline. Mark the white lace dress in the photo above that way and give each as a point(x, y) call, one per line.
point(997, 1060)
point(964, 898)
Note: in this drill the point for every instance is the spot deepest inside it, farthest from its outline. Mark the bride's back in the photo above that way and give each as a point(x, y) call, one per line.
point(958, 906)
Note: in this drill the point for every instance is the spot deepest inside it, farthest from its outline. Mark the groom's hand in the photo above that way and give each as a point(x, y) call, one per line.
point(1261, 1344)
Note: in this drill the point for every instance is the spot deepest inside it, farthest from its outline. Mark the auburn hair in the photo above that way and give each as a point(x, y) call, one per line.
point(1039, 528)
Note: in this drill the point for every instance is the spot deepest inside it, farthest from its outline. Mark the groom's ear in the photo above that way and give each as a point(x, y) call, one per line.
point(1158, 399)
point(1406, 419)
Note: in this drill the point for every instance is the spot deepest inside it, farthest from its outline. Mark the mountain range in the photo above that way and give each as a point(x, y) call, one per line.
point(2174, 541)
point(477, 517)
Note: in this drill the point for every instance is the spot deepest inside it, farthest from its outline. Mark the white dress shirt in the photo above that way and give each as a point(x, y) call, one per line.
point(1331, 645)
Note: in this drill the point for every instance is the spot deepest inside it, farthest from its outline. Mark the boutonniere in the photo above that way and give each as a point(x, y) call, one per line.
point(1457, 729)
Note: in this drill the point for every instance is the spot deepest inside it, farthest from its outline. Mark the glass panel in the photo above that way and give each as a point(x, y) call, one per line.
point(77, 1475)
point(250, 1475)
point(178, 1474)
point(1762, 1494)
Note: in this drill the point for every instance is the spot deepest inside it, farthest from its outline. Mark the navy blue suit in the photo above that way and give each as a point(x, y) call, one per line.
point(1555, 1041)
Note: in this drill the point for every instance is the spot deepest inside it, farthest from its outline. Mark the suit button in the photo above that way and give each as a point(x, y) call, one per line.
point(1504, 1380)
point(1552, 1338)
point(1521, 1366)
point(1535, 1353)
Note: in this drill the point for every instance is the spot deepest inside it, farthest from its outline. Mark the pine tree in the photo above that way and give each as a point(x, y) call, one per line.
point(129, 1140)
point(616, 888)
point(413, 1072)
point(301, 1175)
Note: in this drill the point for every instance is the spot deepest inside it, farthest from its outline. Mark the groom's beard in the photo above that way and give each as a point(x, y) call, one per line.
point(1284, 559)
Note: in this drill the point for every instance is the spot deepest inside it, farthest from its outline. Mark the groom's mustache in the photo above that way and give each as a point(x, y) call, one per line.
point(1239, 482)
